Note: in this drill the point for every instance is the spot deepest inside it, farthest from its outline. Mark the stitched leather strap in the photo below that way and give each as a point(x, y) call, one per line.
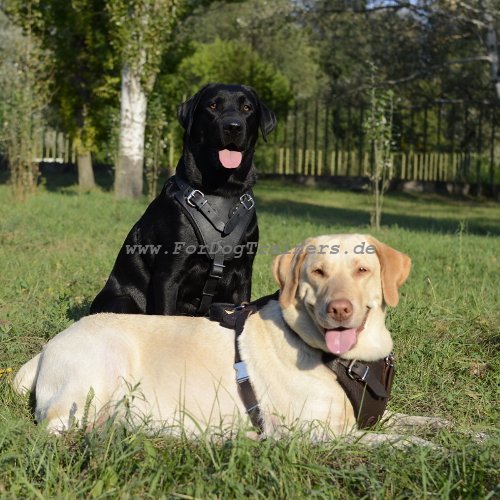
point(245, 389)
point(196, 198)
point(230, 316)
point(239, 212)
point(366, 384)
point(213, 279)
point(366, 374)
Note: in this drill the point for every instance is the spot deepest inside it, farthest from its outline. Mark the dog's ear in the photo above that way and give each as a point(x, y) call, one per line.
point(187, 109)
point(394, 269)
point(267, 120)
point(286, 271)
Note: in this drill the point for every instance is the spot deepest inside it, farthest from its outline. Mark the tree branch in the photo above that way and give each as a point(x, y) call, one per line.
point(424, 71)
point(376, 8)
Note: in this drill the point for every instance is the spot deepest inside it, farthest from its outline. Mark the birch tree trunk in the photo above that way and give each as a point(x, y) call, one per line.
point(85, 173)
point(492, 45)
point(130, 164)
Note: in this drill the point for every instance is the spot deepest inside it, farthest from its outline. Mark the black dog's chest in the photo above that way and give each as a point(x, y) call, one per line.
point(220, 224)
point(216, 246)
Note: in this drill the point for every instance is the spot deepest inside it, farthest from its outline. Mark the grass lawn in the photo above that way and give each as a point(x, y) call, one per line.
point(56, 251)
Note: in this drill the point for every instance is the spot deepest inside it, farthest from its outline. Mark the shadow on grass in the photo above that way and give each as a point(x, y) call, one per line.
point(355, 217)
point(64, 178)
point(78, 311)
point(4, 174)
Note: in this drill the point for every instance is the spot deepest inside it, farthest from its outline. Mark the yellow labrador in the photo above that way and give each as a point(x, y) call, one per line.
point(177, 372)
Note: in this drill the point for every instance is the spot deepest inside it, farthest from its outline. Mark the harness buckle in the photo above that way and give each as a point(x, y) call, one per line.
point(247, 201)
point(355, 376)
point(241, 372)
point(389, 360)
point(192, 194)
point(217, 270)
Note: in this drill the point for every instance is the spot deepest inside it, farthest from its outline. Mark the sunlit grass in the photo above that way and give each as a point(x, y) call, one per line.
point(57, 249)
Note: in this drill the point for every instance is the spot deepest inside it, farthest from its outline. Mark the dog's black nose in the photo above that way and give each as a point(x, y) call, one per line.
point(233, 127)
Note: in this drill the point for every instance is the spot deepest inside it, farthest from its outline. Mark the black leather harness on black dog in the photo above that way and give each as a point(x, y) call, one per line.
point(366, 384)
point(220, 225)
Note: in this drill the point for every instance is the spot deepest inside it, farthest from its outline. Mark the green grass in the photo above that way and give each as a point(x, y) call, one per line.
point(56, 250)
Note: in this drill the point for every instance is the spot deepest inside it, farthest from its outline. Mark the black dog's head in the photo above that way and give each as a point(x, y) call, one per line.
point(221, 124)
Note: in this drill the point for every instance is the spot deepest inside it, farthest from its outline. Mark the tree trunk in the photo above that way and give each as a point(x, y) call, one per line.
point(85, 173)
point(130, 165)
point(492, 45)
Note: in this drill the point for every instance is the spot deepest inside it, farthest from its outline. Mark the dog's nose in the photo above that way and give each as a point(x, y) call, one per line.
point(340, 309)
point(233, 127)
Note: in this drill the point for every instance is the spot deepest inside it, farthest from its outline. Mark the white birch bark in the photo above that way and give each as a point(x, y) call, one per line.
point(130, 165)
point(492, 46)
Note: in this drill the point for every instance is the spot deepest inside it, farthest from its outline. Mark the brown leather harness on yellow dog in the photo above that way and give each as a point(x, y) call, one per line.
point(366, 384)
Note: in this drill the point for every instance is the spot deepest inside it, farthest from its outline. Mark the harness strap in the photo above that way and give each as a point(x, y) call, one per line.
point(221, 236)
point(197, 199)
point(238, 214)
point(366, 384)
point(245, 389)
point(230, 316)
point(213, 279)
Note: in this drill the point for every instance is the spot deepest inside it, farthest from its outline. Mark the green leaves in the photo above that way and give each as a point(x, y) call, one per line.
point(378, 129)
point(24, 93)
point(139, 32)
point(235, 62)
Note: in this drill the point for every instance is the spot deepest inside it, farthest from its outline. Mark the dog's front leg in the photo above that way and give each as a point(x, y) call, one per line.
point(400, 441)
point(406, 423)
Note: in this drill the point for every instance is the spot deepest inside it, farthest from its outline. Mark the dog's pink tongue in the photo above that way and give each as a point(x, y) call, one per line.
point(230, 159)
point(339, 342)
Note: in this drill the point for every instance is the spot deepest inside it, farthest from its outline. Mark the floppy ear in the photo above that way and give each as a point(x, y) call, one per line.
point(286, 271)
point(187, 109)
point(267, 120)
point(394, 269)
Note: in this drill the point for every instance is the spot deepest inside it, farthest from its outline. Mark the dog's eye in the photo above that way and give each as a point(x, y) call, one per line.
point(362, 270)
point(246, 108)
point(213, 106)
point(318, 272)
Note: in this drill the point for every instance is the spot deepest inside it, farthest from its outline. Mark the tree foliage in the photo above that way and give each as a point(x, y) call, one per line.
point(85, 80)
point(424, 49)
point(25, 72)
point(379, 134)
point(241, 64)
point(427, 52)
point(139, 32)
point(274, 32)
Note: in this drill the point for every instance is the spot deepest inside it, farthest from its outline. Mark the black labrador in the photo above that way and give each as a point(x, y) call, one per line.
point(196, 242)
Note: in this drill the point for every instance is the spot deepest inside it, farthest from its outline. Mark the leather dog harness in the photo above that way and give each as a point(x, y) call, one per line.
point(220, 225)
point(366, 384)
